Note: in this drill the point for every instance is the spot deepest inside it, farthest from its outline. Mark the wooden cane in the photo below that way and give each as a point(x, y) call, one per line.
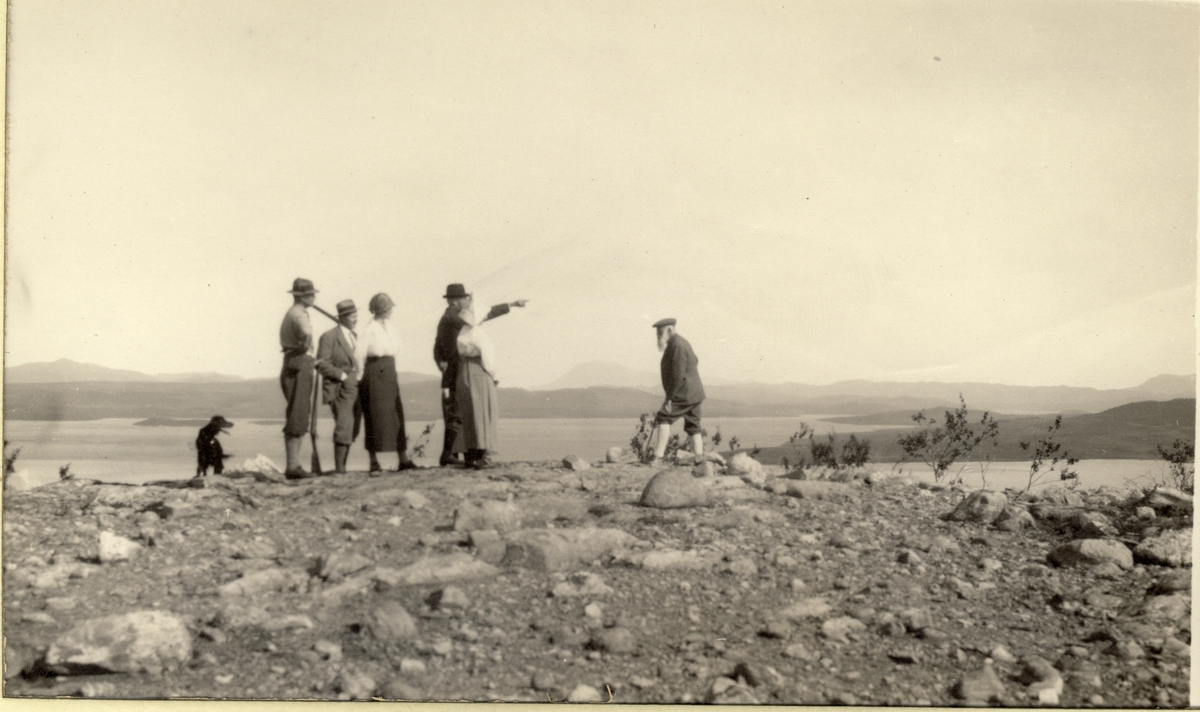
point(326, 313)
point(316, 402)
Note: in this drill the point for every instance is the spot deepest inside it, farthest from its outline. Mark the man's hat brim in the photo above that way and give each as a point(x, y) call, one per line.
point(664, 322)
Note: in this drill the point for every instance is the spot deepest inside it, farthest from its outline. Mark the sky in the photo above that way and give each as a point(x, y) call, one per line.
point(1002, 192)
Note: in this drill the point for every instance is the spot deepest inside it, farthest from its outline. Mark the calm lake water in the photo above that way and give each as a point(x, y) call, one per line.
point(116, 450)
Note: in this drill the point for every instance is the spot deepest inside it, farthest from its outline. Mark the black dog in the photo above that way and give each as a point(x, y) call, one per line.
point(208, 448)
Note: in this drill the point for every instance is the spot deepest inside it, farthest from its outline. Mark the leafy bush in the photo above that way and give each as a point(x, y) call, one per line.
point(641, 444)
point(855, 452)
point(824, 453)
point(64, 472)
point(1045, 448)
point(418, 450)
point(940, 446)
point(1181, 458)
point(10, 460)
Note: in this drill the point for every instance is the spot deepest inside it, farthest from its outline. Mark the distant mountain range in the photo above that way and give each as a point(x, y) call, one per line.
point(66, 390)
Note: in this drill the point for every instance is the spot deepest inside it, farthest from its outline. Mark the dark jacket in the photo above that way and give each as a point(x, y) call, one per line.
point(680, 378)
point(445, 345)
point(335, 358)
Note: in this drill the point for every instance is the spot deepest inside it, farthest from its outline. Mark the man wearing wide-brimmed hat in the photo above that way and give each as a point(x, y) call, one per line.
point(445, 354)
point(335, 361)
point(684, 391)
point(296, 378)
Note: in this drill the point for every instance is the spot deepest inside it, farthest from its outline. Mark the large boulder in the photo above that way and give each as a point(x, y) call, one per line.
point(142, 641)
point(983, 506)
point(1171, 548)
point(674, 488)
point(559, 549)
point(1089, 552)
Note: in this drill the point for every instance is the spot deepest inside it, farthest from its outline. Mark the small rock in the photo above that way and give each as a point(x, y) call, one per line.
point(980, 687)
point(544, 680)
point(328, 650)
point(414, 499)
point(642, 683)
point(142, 641)
point(593, 610)
point(576, 463)
point(337, 566)
point(615, 454)
point(412, 666)
point(614, 640)
point(840, 629)
point(776, 629)
point(725, 691)
point(806, 608)
point(1001, 654)
point(98, 689)
point(356, 684)
point(800, 652)
point(60, 603)
point(501, 516)
point(1145, 513)
point(397, 689)
point(742, 566)
point(585, 693)
point(983, 506)
point(390, 623)
point(114, 547)
point(1088, 552)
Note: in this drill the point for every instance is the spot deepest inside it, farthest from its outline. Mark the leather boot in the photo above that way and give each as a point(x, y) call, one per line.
point(340, 453)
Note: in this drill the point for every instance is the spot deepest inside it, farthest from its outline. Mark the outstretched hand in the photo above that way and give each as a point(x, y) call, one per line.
point(519, 303)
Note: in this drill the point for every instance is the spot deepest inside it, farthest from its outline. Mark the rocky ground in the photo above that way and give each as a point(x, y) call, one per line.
point(543, 582)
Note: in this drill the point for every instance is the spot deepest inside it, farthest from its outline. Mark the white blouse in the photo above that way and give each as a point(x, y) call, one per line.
point(378, 338)
point(473, 342)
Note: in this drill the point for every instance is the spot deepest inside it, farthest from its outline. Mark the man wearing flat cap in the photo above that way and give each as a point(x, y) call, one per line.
point(335, 361)
point(684, 391)
point(296, 378)
point(445, 354)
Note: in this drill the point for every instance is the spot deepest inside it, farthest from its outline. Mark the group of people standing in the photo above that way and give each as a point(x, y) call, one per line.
point(359, 374)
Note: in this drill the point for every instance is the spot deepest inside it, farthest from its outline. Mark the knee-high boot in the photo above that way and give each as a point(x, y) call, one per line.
point(340, 453)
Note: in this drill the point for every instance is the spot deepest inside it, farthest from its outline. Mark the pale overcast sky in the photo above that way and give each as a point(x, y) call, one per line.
point(885, 190)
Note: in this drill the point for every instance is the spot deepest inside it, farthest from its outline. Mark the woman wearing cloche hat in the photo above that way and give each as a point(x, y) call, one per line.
point(383, 413)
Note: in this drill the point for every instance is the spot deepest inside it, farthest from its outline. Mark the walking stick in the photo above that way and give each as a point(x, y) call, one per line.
point(326, 313)
point(316, 402)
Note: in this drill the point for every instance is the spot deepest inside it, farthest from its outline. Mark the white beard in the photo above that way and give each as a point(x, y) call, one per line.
point(662, 342)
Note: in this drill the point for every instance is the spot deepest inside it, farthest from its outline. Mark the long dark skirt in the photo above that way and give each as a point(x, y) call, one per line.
point(383, 414)
point(478, 407)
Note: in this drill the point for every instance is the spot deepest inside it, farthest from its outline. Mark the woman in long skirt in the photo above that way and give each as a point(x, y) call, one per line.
point(478, 405)
point(379, 390)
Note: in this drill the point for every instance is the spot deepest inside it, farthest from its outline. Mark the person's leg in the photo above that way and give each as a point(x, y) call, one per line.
point(691, 426)
point(660, 447)
point(453, 425)
point(297, 382)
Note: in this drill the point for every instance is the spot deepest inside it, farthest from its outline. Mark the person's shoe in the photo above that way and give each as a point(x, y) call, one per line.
point(297, 473)
point(448, 461)
point(407, 465)
point(653, 462)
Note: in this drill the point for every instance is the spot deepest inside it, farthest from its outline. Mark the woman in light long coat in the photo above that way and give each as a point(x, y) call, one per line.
point(379, 389)
point(478, 405)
